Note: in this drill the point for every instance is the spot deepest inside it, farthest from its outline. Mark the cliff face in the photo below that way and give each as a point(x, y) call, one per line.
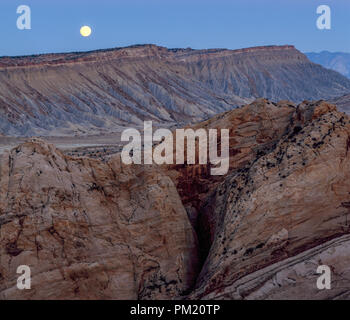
point(97, 92)
point(275, 220)
point(93, 229)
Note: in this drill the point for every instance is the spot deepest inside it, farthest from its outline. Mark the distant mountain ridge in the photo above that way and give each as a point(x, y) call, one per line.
point(102, 91)
point(342, 103)
point(337, 61)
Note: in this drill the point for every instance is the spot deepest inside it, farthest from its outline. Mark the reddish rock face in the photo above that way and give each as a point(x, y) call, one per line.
point(102, 230)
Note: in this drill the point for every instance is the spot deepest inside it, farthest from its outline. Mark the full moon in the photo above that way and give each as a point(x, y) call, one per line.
point(85, 31)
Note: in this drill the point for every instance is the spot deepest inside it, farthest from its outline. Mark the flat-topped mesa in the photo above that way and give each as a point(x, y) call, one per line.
point(270, 48)
point(270, 54)
point(285, 49)
point(138, 52)
point(105, 90)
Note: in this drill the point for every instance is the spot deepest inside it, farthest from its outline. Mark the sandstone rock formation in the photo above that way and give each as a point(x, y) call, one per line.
point(103, 230)
point(101, 91)
point(91, 230)
point(274, 220)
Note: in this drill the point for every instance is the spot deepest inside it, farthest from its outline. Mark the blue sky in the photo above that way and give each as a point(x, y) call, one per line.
point(172, 23)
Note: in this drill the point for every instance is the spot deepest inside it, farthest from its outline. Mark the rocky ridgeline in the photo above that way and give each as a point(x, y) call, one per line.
point(103, 91)
point(283, 213)
point(103, 230)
